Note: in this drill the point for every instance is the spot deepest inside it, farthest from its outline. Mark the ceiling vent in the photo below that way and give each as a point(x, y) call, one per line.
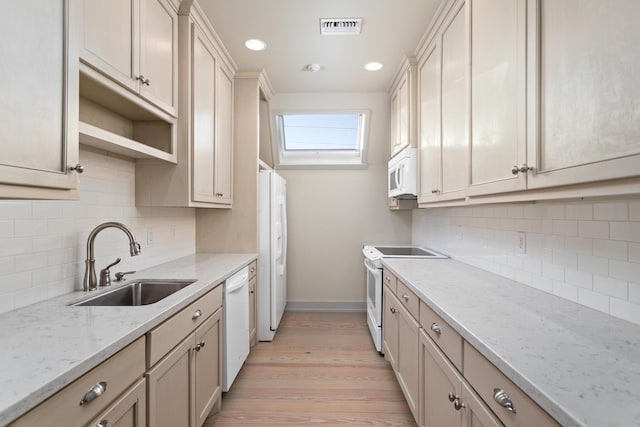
point(340, 26)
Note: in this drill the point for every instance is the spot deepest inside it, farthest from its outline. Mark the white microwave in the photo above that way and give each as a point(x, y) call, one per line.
point(403, 174)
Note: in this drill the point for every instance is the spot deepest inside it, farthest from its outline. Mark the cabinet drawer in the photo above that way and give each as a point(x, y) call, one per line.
point(408, 299)
point(389, 280)
point(164, 337)
point(487, 380)
point(118, 373)
point(442, 334)
point(253, 269)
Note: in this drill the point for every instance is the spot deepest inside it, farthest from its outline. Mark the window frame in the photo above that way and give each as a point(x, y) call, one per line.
point(321, 159)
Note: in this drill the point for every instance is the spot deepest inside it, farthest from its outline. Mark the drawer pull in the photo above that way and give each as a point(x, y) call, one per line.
point(199, 346)
point(503, 399)
point(393, 310)
point(253, 269)
point(94, 392)
point(436, 328)
point(196, 314)
point(453, 396)
point(102, 423)
point(405, 297)
point(457, 404)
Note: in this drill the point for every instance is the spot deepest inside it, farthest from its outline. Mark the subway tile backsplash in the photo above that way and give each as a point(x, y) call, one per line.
point(43, 243)
point(587, 252)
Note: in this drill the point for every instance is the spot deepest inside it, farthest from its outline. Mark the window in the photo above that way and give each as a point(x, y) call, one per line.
point(321, 139)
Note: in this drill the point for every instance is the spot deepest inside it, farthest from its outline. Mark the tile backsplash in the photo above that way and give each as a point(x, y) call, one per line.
point(43, 243)
point(587, 252)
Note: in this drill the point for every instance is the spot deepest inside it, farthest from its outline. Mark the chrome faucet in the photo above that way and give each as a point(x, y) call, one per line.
point(90, 283)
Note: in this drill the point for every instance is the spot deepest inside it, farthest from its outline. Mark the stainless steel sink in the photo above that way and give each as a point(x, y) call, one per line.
point(140, 292)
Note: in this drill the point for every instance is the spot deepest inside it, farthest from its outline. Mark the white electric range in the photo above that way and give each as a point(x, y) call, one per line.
point(372, 261)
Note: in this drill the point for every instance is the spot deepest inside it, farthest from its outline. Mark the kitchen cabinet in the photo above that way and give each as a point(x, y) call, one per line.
point(253, 307)
point(443, 81)
point(184, 384)
point(39, 102)
point(401, 340)
point(403, 106)
point(446, 398)
point(203, 176)
point(498, 95)
point(134, 43)
point(582, 96)
point(118, 394)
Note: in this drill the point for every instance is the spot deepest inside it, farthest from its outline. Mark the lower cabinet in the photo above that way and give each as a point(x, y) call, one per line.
point(428, 357)
point(185, 385)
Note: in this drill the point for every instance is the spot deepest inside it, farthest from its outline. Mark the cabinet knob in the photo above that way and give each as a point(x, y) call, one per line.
point(103, 423)
point(196, 314)
point(457, 404)
point(78, 168)
point(405, 297)
point(393, 310)
point(515, 170)
point(199, 346)
point(453, 396)
point(435, 191)
point(219, 194)
point(253, 269)
point(94, 392)
point(503, 399)
point(436, 328)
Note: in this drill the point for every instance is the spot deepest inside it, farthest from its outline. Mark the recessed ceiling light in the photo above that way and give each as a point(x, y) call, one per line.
point(255, 44)
point(373, 66)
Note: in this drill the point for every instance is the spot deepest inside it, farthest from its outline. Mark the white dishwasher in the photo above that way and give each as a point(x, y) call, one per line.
point(236, 326)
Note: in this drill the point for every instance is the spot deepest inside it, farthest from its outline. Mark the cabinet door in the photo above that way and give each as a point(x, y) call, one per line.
point(403, 114)
point(110, 39)
point(208, 366)
point(203, 99)
point(584, 100)
point(159, 53)
point(390, 319)
point(498, 89)
point(438, 382)
point(39, 101)
point(394, 113)
point(127, 411)
point(455, 123)
point(224, 136)
point(170, 385)
point(407, 358)
point(429, 129)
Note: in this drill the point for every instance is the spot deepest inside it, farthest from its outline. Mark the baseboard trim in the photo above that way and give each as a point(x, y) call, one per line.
point(331, 306)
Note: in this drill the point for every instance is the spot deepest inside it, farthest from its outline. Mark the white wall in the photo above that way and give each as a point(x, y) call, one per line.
point(43, 243)
point(332, 213)
point(584, 251)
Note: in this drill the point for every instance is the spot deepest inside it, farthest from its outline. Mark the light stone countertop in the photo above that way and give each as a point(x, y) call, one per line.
point(47, 345)
point(580, 365)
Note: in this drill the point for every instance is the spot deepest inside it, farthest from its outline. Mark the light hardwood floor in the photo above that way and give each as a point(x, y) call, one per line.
point(321, 369)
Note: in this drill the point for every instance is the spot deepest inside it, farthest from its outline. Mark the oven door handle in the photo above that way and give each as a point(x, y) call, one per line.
point(371, 267)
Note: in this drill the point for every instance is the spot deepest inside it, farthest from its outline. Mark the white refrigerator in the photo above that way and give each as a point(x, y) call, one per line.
point(272, 267)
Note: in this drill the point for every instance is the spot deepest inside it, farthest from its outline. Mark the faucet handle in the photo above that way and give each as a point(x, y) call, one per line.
point(120, 275)
point(105, 274)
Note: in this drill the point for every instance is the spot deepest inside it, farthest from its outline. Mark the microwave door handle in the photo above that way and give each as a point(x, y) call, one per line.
point(399, 173)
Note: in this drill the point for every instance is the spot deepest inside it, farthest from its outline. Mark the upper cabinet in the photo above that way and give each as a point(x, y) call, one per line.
point(584, 99)
point(443, 106)
point(203, 175)
point(513, 107)
point(39, 101)
point(134, 42)
point(403, 106)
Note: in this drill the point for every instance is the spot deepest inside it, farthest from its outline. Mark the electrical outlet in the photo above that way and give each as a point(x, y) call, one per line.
point(521, 247)
point(149, 237)
point(172, 232)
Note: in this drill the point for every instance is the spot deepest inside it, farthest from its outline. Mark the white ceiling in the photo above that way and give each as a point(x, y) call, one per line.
point(291, 29)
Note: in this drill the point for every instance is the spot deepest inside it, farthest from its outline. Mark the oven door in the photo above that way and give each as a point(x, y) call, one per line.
point(374, 291)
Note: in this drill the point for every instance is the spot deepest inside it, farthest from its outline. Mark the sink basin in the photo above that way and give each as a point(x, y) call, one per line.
point(140, 292)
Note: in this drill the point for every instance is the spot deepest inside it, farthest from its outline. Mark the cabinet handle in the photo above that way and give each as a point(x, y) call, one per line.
point(457, 404)
point(196, 314)
point(78, 168)
point(435, 191)
point(436, 328)
point(102, 423)
point(522, 169)
point(405, 297)
point(94, 392)
point(251, 291)
point(453, 396)
point(199, 346)
point(143, 80)
point(393, 310)
point(146, 82)
point(387, 279)
point(219, 194)
point(503, 399)
point(253, 269)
